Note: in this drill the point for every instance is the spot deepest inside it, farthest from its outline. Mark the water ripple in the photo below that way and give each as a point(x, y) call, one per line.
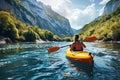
point(33, 62)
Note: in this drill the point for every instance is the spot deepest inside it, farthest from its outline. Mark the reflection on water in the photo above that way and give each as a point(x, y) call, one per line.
point(32, 61)
point(88, 70)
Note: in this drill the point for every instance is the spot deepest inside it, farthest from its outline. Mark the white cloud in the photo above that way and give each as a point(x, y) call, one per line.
point(103, 2)
point(90, 10)
point(61, 6)
point(91, 0)
point(77, 17)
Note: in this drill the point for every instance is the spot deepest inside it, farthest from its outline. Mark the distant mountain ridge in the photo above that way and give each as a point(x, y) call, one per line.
point(75, 31)
point(106, 28)
point(36, 13)
point(110, 6)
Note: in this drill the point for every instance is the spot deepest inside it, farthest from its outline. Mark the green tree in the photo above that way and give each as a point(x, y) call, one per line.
point(7, 26)
point(31, 36)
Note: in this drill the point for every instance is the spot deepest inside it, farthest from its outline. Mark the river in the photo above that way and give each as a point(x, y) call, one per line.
point(31, 61)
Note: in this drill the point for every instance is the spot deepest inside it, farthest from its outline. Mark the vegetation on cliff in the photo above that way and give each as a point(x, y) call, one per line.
point(106, 28)
point(16, 30)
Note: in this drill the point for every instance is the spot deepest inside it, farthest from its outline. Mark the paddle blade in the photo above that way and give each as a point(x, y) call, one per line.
point(91, 39)
point(53, 49)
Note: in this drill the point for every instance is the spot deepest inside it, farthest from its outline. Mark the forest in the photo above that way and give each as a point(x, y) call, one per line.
point(106, 28)
point(17, 31)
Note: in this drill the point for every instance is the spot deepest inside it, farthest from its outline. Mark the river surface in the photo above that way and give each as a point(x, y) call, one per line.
point(31, 61)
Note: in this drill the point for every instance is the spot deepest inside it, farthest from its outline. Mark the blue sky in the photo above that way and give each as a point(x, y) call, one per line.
point(79, 12)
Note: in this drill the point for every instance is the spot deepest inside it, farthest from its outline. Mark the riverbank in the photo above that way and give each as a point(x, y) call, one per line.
point(4, 41)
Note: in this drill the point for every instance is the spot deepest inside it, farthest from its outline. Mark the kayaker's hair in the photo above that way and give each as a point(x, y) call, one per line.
point(76, 37)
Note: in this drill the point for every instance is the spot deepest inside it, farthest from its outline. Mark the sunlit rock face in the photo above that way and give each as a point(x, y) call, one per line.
point(110, 6)
point(36, 13)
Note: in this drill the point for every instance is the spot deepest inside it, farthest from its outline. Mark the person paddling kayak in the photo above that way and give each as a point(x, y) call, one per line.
point(77, 45)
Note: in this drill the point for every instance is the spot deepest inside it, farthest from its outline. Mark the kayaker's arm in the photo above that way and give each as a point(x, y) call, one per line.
point(53, 49)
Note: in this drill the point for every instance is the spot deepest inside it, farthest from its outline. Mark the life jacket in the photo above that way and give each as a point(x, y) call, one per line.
point(77, 46)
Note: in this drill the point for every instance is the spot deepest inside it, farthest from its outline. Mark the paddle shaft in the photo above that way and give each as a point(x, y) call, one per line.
point(65, 46)
point(53, 49)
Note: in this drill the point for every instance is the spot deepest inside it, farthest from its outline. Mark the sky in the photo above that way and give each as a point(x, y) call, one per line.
point(79, 12)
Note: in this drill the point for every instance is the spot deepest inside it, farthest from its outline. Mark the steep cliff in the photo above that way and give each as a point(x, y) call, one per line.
point(36, 13)
point(106, 28)
point(111, 6)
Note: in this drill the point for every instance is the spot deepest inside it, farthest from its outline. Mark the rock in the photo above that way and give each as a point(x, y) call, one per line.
point(37, 14)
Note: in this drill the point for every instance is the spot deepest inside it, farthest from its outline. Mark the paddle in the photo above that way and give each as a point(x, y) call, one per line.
point(53, 49)
point(91, 39)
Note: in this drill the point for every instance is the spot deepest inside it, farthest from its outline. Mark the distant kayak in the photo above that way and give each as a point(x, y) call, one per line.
point(81, 56)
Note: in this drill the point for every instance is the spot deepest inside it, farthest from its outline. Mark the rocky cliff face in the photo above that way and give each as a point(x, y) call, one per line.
point(110, 6)
point(107, 28)
point(36, 13)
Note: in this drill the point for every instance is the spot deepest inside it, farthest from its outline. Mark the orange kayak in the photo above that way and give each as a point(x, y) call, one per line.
point(81, 56)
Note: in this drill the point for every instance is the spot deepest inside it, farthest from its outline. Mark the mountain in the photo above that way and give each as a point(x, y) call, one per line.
point(13, 30)
point(36, 13)
point(98, 18)
point(75, 31)
point(106, 28)
point(110, 6)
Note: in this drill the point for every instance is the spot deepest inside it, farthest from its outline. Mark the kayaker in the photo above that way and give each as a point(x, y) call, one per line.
point(77, 45)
